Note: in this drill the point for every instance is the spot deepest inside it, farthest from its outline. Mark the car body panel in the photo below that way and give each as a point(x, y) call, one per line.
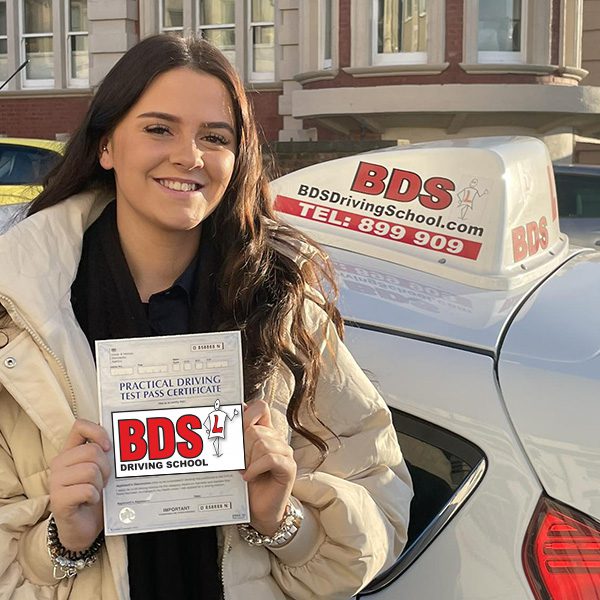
point(549, 370)
point(383, 294)
point(475, 555)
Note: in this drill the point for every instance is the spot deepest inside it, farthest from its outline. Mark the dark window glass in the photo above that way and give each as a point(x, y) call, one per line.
point(578, 195)
point(21, 165)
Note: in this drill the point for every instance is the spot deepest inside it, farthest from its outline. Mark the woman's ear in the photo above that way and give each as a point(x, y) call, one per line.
point(105, 154)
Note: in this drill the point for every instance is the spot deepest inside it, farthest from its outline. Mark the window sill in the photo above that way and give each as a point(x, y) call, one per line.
point(397, 69)
point(45, 93)
point(521, 68)
point(263, 86)
point(320, 75)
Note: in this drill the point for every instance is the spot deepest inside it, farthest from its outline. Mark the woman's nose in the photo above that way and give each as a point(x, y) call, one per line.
point(188, 155)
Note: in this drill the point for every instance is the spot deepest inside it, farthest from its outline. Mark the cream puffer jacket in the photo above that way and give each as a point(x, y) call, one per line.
point(356, 502)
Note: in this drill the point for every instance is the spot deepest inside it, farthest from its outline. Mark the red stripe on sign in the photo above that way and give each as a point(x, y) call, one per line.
point(388, 230)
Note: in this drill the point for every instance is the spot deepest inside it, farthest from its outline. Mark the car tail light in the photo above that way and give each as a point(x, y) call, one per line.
point(561, 553)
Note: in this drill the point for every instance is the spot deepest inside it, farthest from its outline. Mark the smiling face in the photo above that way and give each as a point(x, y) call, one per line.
point(173, 153)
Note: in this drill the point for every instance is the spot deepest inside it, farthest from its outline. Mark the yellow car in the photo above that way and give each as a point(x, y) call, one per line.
point(23, 164)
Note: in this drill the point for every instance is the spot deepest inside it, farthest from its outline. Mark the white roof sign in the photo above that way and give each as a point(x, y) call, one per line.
point(478, 211)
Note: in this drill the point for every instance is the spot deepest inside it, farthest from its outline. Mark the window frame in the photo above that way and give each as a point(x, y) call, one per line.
point(5, 38)
point(27, 83)
point(396, 58)
point(361, 47)
point(506, 57)
point(233, 25)
point(325, 64)
point(257, 76)
point(161, 14)
point(73, 82)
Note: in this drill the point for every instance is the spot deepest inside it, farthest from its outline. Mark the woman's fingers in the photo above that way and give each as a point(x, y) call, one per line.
point(267, 451)
point(280, 467)
point(85, 431)
point(85, 453)
point(86, 472)
point(257, 413)
point(73, 496)
point(81, 466)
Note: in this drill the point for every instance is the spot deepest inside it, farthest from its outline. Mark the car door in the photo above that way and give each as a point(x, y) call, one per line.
point(474, 490)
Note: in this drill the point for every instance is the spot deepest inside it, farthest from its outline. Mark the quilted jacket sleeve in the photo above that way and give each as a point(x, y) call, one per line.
point(25, 571)
point(357, 501)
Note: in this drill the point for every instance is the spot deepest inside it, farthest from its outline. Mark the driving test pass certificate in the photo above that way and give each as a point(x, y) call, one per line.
point(172, 406)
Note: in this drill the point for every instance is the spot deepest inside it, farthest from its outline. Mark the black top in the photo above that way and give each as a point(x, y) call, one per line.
point(179, 564)
point(168, 311)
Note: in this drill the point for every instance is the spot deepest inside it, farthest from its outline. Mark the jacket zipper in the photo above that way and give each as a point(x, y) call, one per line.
point(226, 550)
point(19, 319)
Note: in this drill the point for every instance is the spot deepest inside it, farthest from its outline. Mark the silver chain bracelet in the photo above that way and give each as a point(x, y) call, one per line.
point(292, 519)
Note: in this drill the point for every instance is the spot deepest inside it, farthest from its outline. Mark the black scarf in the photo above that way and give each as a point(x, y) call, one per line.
point(107, 305)
point(104, 297)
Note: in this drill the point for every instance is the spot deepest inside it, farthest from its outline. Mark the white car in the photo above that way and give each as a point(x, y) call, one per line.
point(481, 328)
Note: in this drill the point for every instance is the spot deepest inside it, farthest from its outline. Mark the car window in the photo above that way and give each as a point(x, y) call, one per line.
point(445, 469)
point(25, 165)
point(578, 195)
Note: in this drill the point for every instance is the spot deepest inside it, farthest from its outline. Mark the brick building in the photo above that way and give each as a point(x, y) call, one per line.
point(327, 76)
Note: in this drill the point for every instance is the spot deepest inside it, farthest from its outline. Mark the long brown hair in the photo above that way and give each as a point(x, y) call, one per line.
point(262, 289)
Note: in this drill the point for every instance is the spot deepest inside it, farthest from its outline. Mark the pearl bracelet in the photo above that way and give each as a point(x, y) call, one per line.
point(67, 563)
point(292, 519)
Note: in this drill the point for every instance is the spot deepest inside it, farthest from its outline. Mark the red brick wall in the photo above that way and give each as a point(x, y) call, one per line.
point(344, 33)
point(454, 31)
point(555, 42)
point(41, 117)
point(266, 110)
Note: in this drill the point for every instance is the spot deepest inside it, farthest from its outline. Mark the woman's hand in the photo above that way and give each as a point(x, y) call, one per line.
point(270, 468)
point(77, 476)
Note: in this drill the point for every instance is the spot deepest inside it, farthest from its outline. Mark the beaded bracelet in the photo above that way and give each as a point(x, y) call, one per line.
point(67, 563)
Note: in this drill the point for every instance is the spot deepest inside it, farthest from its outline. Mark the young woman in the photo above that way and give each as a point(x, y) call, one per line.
point(158, 221)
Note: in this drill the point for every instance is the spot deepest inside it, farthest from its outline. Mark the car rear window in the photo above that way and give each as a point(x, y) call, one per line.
point(445, 469)
point(25, 165)
point(578, 195)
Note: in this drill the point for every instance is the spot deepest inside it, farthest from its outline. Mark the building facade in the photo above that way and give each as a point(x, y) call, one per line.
point(345, 74)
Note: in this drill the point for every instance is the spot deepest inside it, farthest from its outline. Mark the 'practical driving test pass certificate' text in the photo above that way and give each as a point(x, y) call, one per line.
point(173, 408)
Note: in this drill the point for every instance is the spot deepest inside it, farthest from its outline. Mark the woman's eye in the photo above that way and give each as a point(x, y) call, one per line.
point(157, 129)
point(215, 138)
